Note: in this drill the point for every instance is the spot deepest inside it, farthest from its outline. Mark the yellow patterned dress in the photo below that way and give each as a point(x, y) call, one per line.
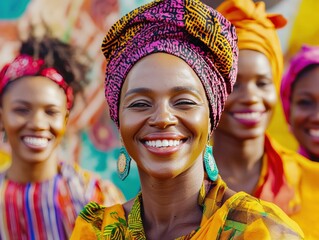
point(240, 217)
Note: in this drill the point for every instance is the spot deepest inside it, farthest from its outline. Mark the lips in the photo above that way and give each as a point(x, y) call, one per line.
point(248, 118)
point(163, 143)
point(314, 132)
point(35, 142)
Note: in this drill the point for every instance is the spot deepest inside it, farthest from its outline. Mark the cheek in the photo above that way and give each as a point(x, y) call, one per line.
point(271, 99)
point(296, 117)
point(59, 126)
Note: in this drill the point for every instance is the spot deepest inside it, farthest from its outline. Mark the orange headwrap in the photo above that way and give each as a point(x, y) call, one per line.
point(256, 30)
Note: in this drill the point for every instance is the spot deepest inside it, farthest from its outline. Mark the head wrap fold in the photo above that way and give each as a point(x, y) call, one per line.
point(308, 55)
point(256, 30)
point(25, 65)
point(188, 29)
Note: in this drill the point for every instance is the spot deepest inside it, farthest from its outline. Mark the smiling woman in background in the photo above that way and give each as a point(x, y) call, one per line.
point(41, 194)
point(300, 99)
point(249, 159)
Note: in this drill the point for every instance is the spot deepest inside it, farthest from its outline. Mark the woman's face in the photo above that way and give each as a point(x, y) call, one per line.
point(34, 115)
point(164, 116)
point(249, 107)
point(304, 111)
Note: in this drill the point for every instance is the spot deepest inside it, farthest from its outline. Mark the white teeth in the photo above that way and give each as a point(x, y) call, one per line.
point(163, 143)
point(248, 116)
point(38, 142)
point(314, 132)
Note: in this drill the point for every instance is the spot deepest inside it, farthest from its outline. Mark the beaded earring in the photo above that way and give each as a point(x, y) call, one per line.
point(123, 163)
point(210, 164)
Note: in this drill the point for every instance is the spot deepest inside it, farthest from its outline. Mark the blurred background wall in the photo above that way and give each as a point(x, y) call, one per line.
point(92, 139)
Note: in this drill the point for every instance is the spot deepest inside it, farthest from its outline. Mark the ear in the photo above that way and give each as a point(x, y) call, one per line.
point(1, 124)
point(67, 116)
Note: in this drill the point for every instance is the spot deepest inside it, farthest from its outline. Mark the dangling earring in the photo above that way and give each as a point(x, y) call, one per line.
point(123, 163)
point(210, 164)
point(4, 137)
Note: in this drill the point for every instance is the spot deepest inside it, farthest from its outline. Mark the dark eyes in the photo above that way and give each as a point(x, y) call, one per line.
point(264, 82)
point(177, 103)
point(139, 104)
point(26, 110)
point(304, 102)
point(21, 110)
point(185, 102)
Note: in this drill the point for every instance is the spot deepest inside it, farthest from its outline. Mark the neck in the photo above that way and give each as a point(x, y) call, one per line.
point(24, 172)
point(239, 161)
point(171, 206)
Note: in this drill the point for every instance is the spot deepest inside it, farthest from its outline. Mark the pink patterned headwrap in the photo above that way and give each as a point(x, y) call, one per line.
point(188, 29)
point(25, 65)
point(308, 55)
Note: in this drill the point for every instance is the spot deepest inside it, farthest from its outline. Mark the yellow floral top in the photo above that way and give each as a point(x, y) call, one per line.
point(240, 217)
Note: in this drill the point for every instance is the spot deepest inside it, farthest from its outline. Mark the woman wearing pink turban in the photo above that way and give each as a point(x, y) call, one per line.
point(300, 100)
point(170, 66)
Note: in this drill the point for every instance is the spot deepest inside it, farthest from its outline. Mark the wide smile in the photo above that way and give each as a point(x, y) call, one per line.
point(35, 142)
point(248, 118)
point(160, 143)
point(314, 132)
point(164, 145)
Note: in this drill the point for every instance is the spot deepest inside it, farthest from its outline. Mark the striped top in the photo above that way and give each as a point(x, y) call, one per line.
point(47, 210)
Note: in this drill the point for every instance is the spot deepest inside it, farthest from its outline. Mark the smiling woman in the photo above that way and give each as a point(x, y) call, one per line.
point(249, 159)
point(42, 194)
point(171, 64)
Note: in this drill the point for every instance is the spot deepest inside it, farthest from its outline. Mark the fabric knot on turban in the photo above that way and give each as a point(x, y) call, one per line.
point(188, 29)
point(308, 55)
point(256, 30)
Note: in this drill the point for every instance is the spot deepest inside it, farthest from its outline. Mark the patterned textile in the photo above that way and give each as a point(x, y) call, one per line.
point(185, 28)
point(48, 210)
point(290, 181)
point(25, 65)
point(240, 217)
point(256, 30)
point(308, 55)
point(273, 185)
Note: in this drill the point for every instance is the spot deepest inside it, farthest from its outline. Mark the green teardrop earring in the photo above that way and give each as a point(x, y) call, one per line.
point(210, 164)
point(123, 163)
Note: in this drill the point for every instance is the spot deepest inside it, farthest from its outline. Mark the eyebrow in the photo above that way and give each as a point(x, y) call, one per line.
point(175, 89)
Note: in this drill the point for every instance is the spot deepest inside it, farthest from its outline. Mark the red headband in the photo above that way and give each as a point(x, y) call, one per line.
point(25, 65)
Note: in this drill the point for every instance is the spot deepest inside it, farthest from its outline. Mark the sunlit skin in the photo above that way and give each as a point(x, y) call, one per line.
point(34, 116)
point(239, 138)
point(304, 112)
point(163, 99)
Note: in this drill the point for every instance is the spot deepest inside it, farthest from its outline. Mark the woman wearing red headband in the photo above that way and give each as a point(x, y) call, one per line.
point(40, 195)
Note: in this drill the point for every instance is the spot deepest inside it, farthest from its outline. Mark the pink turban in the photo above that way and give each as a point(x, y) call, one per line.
point(308, 55)
point(188, 29)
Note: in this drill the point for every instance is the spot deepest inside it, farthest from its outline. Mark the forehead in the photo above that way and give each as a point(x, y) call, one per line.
point(308, 80)
point(35, 89)
point(161, 70)
point(252, 62)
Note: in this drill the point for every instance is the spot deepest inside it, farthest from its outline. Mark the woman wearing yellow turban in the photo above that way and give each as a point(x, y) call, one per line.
point(249, 159)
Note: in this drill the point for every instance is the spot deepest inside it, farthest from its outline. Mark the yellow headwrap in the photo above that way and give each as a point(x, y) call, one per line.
point(256, 30)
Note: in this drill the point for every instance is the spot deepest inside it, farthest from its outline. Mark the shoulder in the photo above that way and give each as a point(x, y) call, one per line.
point(250, 215)
point(94, 218)
point(93, 188)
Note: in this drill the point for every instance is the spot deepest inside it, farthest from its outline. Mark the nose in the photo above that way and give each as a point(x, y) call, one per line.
point(37, 121)
point(249, 94)
point(163, 116)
